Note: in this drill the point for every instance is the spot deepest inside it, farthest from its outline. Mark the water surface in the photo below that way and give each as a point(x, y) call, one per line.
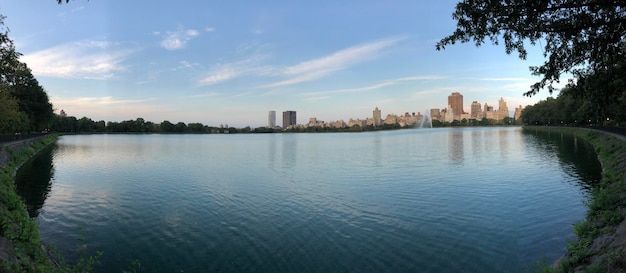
point(430, 200)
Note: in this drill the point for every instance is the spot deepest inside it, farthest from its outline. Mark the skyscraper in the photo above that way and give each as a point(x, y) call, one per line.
point(476, 109)
point(271, 119)
point(456, 103)
point(503, 110)
point(377, 117)
point(289, 118)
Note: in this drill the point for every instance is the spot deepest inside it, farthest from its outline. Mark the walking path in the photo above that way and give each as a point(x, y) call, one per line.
point(5, 147)
point(615, 134)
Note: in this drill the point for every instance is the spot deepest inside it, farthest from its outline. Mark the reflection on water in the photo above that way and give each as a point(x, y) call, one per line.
point(368, 202)
point(34, 186)
point(576, 156)
point(455, 146)
point(289, 149)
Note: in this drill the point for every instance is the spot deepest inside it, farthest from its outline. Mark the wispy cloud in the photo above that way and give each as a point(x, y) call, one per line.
point(503, 79)
point(174, 40)
point(316, 99)
point(377, 85)
point(108, 100)
point(340, 60)
point(228, 71)
point(204, 95)
point(64, 14)
point(185, 65)
point(83, 59)
point(219, 75)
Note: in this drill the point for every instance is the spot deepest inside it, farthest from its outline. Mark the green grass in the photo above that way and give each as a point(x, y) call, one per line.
point(27, 253)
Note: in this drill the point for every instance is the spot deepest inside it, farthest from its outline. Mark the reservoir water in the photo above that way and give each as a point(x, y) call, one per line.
point(424, 200)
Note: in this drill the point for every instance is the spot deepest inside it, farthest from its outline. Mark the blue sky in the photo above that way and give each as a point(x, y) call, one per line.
point(231, 62)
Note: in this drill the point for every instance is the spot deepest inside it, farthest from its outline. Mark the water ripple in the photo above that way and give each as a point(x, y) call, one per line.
point(449, 200)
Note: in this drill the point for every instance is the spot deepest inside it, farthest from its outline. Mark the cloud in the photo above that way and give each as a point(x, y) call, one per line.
point(175, 40)
point(503, 79)
point(185, 65)
point(220, 75)
point(316, 99)
point(83, 59)
point(86, 101)
point(110, 108)
point(64, 14)
point(228, 71)
point(209, 29)
point(204, 95)
point(377, 85)
point(340, 60)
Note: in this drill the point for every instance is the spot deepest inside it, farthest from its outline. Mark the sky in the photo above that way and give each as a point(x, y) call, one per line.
point(230, 62)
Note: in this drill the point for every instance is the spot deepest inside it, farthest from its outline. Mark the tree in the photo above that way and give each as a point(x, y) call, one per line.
point(196, 127)
point(11, 119)
point(508, 121)
point(180, 127)
point(9, 58)
point(579, 35)
point(167, 127)
point(64, 124)
point(18, 82)
point(85, 124)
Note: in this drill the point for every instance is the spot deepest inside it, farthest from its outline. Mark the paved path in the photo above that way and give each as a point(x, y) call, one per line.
point(615, 134)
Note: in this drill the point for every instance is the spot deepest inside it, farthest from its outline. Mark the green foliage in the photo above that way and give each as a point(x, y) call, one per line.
point(18, 83)
point(573, 109)
point(578, 251)
point(16, 224)
point(133, 267)
point(11, 118)
point(541, 266)
point(574, 33)
point(355, 128)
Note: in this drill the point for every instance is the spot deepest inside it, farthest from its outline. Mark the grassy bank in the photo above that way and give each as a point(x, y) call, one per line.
point(601, 237)
point(21, 248)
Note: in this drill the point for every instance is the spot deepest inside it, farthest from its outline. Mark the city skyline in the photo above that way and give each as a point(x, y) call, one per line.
point(218, 63)
point(446, 114)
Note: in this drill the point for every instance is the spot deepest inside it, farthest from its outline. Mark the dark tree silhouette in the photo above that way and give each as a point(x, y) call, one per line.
point(580, 36)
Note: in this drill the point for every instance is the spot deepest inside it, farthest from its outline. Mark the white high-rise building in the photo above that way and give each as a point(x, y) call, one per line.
point(271, 120)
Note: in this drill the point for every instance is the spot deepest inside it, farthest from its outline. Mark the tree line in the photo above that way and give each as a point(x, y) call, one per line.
point(570, 110)
point(24, 103)
point(70, 124)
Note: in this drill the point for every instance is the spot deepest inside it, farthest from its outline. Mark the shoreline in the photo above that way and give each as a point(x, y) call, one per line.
point(601, 236)
point(600, 245)
point(21, 247)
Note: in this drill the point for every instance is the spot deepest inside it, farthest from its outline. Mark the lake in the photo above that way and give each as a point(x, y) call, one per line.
point(492, 199)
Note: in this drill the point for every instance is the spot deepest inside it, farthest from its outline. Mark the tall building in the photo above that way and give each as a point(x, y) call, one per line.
point(377, 117)
point(503, 110)
point(518, 113)
point(271, 119)
point(456, 103)
point(435, 114)
point(289, 118)
point(476, 109)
